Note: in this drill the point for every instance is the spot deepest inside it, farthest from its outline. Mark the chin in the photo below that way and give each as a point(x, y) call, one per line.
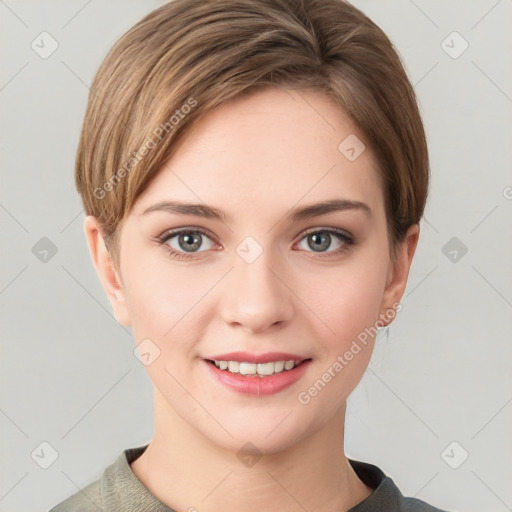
point(263, 432)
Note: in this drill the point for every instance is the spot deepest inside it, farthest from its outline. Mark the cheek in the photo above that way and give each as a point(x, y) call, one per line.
point(348, 300)
point(167, 303)
point(164, 306)
point(155, 293)
point(349, 307)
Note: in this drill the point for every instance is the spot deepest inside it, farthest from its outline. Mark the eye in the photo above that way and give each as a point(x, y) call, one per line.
point(321, 239)
point(184, 243)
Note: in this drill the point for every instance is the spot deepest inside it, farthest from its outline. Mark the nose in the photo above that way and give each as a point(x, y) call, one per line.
point(257, 296)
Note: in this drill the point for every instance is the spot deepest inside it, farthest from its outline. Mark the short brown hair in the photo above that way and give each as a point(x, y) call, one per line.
point(188, 56)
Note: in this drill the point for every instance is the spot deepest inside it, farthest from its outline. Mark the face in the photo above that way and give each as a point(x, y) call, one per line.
point(258, 276)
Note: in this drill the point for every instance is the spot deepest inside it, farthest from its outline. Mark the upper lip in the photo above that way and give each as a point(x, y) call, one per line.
point(267, 357)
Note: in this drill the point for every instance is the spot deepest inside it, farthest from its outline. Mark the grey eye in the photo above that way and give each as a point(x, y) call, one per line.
point(188, 241)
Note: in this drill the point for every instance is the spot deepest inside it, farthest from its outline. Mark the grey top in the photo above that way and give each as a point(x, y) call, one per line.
point(119, 489)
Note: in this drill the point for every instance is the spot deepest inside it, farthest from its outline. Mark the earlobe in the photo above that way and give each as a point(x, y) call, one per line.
point(397, 275)
point(108, 275)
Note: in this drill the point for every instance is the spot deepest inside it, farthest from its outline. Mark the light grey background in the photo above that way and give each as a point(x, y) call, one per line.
point(442, 373)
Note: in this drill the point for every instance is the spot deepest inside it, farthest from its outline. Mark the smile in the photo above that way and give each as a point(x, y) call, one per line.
point(256, 377)
point(256, 369)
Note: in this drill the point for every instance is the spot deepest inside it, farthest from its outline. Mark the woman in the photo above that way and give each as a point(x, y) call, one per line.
point(253, 174)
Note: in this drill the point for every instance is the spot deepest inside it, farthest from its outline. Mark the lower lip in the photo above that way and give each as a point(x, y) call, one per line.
point(255, 385)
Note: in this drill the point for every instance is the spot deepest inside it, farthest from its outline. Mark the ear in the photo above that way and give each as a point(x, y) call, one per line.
point(108, 275)
point(398, 273)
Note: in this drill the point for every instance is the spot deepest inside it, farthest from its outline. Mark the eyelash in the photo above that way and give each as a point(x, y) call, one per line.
point(347, 240)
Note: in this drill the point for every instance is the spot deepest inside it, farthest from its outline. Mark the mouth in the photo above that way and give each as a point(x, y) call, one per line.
point(252, 369)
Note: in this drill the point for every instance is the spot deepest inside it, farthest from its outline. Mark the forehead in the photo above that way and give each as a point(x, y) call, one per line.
point(269, 150)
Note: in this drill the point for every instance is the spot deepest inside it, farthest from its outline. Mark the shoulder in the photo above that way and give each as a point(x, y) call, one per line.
point(416, 505)
point(117, 489)
point(87, 499)
point(386, 495)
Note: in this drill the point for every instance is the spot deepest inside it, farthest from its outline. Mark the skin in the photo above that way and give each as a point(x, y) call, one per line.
point(255, 157)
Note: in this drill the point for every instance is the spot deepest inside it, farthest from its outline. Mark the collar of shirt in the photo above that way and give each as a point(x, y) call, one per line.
point(120, 489)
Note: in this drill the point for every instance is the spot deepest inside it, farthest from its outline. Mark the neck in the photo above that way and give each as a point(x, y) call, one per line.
point(188, 472)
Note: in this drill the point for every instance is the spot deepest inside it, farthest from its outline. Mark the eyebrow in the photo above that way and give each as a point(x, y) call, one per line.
point(296, 214)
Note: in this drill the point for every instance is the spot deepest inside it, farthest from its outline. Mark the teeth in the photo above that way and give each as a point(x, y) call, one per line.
point(266, 368)
point(233, 366)
point(247, 368)
point(260, 369)
point(278, 366)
